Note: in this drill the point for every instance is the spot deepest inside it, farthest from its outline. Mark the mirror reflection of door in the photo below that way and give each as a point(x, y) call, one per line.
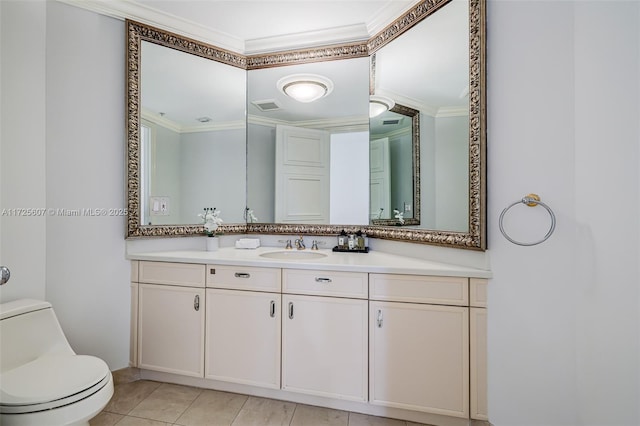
point(380, 179)
point(302, 175)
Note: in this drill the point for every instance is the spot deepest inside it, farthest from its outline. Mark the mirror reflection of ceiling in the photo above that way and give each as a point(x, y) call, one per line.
point(344, 103)
point(185, 96)
point(437, 82)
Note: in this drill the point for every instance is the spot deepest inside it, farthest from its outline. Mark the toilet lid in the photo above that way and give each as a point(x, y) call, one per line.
point(52, 378)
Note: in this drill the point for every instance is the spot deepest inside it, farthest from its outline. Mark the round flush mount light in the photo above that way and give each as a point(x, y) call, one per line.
point(305, 87)
point(379, 104)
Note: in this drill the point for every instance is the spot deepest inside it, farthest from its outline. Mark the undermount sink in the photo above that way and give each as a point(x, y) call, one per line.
point(293, 255)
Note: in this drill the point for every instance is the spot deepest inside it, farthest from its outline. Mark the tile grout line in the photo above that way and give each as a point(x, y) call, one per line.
point(240, 410)
point(293, 414)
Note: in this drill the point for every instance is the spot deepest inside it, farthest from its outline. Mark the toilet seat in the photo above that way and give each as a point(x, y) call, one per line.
point(51, 381)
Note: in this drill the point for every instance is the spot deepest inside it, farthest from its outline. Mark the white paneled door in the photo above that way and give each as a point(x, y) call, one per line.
point(302, 175)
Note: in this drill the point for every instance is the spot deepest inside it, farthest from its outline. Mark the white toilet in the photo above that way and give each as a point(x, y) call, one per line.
point(42, 381)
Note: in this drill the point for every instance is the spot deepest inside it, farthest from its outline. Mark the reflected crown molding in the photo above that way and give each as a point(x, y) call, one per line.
point(346, 124)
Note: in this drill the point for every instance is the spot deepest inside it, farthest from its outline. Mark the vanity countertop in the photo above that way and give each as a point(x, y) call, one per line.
point(373, 262)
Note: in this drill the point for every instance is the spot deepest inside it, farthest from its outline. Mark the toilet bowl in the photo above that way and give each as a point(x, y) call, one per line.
point(42, 380)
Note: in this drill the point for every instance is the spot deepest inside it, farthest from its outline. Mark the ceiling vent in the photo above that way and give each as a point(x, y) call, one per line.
point(392, 121)
point(266, 105)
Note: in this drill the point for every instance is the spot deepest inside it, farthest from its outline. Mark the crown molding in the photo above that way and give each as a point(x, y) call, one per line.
point(127, 9)
point(308, 39)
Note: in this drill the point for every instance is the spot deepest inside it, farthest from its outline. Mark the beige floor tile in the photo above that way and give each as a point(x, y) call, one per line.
point(166, 403)
point(127, 395)
point(265, 412)
point(136, 421)
point(213, 408)
point(105, 419)
point(356, 419)
point(307, 415)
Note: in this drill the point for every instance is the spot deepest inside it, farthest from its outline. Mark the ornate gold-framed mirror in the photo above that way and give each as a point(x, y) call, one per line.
point(472, 237)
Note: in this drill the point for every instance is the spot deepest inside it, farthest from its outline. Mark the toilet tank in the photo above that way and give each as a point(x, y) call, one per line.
point(29, 329)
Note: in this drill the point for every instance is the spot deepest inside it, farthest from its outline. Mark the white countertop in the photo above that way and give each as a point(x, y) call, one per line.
point(376, 262)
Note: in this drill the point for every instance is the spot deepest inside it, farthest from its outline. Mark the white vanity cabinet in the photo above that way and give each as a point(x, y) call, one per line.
point(324, 333)
point(243, 325)
point(393, 341)
point(170, 314)
point(419, 343)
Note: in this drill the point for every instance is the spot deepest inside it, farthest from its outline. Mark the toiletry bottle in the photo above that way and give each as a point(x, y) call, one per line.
point(342, 240)
point(359, 241)
point(352, 241)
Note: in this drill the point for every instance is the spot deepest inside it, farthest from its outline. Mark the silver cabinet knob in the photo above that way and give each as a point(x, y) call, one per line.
point(5, 274)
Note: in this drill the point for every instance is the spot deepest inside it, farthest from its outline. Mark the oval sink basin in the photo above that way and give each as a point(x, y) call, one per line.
point(293, 255)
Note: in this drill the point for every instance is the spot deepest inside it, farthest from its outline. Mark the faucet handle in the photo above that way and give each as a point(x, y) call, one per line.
point(314, 245)
point(288, 246)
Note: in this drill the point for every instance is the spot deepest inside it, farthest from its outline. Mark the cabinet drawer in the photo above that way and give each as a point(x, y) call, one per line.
point(182, 274)
point(244, 278)
point(419, 289)
point(325, 283)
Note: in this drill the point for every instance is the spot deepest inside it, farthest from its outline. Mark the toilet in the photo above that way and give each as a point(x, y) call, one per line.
point(42, 380)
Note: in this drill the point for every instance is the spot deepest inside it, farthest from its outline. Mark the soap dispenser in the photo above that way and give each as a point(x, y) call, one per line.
point(342, 240)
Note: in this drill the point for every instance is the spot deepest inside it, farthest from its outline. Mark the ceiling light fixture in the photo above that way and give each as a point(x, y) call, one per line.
point(305, 87)
point(379, 104)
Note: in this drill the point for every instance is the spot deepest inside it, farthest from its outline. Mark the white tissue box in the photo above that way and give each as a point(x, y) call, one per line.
point(248, 243)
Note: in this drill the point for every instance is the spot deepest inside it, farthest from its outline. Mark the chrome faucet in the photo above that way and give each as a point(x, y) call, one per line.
point(288, 246)
point(300, 243)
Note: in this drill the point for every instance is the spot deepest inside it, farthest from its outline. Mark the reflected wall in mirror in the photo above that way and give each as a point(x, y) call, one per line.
point(308, 162)
point(187, 133)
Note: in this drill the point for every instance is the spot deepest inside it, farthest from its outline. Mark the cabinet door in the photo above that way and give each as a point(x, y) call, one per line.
point(419, 357)
point(243, 337)
point(324, 346)
point(171, 329)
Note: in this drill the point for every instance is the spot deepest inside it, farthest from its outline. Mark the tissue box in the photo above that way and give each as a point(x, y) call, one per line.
point(248, 243)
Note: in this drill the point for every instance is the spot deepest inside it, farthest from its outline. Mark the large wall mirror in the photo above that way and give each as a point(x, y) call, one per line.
point(312, 167)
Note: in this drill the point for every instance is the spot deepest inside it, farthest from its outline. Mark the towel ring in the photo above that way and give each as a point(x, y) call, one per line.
point(530, 200)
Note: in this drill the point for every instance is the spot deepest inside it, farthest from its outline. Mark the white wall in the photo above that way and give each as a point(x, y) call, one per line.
point(563, 122)
point(349, 183)
point(63, 147)
point(87, 276)
point(22, 145)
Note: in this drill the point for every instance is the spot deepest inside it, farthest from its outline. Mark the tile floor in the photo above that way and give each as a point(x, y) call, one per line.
point(147, 403)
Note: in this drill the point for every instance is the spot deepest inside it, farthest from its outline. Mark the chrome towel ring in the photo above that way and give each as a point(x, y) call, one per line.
point(531, 200)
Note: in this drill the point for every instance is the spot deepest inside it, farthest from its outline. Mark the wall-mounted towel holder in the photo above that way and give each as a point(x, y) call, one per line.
point(530, 200)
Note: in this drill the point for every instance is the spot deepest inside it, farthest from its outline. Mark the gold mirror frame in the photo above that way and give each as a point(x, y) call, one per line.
point(475, 238)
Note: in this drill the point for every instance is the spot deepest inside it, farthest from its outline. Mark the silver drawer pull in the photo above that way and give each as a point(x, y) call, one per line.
point(272, 309)
point(242, 275)
point(290, 310)
point(323, 280)
point(379, 318)
point(196, 303)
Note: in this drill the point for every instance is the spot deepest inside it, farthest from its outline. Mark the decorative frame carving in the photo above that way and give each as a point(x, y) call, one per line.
point(474, 239)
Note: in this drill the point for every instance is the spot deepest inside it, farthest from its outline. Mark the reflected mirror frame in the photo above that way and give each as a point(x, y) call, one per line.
point(136, 33)
point(474, 239)
point(415, 158)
